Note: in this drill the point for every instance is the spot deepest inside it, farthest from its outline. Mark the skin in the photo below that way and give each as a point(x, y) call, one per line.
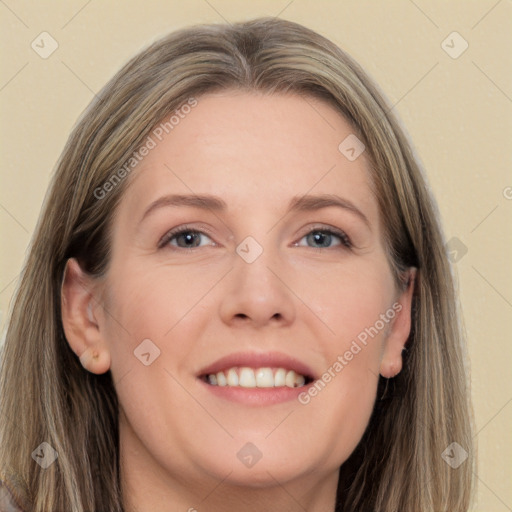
point(179, 442)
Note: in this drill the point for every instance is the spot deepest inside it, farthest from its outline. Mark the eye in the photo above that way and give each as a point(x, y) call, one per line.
point(324, 237)
point(183, 238)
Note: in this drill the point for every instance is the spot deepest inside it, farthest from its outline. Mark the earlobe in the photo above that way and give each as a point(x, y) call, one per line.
point(80, 325)
point(391, 361)
point(95, 360)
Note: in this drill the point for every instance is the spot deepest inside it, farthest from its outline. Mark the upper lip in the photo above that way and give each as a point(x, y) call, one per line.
point(259, 360)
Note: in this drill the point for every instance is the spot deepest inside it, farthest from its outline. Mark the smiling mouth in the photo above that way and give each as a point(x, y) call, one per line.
point(264, 377)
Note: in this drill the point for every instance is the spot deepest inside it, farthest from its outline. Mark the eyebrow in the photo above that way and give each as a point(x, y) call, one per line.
point(305, 203)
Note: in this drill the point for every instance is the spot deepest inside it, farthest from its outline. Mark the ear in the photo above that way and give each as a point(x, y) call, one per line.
point(79, 307)
point(400, 328)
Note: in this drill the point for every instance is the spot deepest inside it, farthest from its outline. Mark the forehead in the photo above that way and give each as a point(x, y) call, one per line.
point(254, 150)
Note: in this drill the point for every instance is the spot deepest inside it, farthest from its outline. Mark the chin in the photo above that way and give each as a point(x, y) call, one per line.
point(262, 475)
point(251, 467)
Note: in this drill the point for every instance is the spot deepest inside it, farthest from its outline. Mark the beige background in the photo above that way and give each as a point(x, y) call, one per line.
point(458, 113)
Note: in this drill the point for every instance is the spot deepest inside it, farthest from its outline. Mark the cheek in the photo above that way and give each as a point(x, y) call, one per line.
point(352, 301)
point(154, 304)
point(356, 305)
point(146, 311)
point(151, 329)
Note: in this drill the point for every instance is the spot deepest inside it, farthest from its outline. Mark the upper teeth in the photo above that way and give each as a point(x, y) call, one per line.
point(257, 378)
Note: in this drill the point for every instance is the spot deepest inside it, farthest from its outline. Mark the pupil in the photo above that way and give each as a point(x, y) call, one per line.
point(319, 236)
point(188, 238)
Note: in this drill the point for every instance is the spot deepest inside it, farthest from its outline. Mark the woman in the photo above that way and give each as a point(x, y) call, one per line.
point(237, 296)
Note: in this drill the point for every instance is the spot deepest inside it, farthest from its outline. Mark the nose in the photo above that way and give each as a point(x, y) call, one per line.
point(257, 294)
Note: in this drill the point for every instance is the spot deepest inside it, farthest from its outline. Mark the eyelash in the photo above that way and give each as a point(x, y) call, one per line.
point(344, 239)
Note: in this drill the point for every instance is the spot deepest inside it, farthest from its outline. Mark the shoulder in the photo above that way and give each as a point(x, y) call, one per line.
point(7, 501)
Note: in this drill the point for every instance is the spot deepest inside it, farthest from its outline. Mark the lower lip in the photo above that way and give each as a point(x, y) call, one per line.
point(256, 396)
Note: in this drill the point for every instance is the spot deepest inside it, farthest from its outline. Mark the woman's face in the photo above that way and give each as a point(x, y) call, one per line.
point(281, 267)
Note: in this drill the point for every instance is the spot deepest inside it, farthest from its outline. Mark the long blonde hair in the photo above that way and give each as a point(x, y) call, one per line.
point(46, 395)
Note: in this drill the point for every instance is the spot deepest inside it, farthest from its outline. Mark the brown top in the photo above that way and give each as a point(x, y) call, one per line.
point(7, 500)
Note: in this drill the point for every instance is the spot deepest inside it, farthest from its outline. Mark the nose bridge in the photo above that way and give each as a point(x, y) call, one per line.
point(254, 268)
point(257, 290)
point(255, 274)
